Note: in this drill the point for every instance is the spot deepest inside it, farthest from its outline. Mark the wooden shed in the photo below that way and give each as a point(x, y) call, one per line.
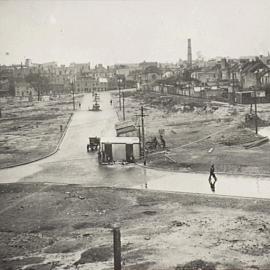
point(113, 149)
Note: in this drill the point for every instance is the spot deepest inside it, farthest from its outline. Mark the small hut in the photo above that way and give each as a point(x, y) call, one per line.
point(113, 149)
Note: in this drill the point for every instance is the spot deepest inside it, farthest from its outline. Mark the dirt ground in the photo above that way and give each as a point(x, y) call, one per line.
point(198, 133)
point(46, 227)
point(31, 129)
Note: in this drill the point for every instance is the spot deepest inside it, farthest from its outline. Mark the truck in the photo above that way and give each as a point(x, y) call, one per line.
point(93, 145)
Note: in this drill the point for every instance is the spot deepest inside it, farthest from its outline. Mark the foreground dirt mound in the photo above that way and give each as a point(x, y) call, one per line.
point(45, 227)
point(197, 265)
point(96, 254)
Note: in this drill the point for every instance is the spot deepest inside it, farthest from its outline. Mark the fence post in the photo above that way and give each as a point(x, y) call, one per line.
point(117, 248)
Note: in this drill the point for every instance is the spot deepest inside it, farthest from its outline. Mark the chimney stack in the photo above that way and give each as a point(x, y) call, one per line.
point(189, 59)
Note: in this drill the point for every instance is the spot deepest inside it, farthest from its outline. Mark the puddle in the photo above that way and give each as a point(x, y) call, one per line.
point(265, 131)
point(229, 185)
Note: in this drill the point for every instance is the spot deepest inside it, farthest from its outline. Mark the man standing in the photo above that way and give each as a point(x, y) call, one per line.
point(162, 141)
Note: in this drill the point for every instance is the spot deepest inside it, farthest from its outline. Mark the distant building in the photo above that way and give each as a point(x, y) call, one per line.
point(80, 67)
point(28, 62)
point(24, 89)
point(145, 65)
point(91, 84)
point(6, 82)
point(205, 75)
point(252, 73)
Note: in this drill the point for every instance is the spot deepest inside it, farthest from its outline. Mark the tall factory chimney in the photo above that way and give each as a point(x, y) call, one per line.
point(189, 59)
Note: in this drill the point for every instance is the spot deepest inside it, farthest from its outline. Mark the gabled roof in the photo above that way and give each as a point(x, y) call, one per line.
point(253, 66)
point(119, 140)
point(236, 67)
point(152, 69)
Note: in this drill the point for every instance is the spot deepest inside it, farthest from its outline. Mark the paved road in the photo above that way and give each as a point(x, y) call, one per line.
point(73, 165)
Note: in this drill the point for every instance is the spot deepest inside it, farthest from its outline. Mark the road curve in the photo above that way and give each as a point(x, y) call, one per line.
point(73, 165)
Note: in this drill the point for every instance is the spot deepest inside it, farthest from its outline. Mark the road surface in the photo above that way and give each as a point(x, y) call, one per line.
point(73, 165)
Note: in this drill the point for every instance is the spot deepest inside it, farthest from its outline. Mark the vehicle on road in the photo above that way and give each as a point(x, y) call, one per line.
point(94, 143)
point(96, 106)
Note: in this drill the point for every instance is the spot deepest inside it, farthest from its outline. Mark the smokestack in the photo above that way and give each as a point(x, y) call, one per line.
point(189, 59)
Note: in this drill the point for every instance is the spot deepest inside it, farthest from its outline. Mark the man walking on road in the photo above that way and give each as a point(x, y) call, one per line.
point(212, 174)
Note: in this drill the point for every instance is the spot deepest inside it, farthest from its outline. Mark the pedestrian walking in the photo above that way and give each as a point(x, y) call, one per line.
point(111, 102)
point(79, 105)
point(212, 174)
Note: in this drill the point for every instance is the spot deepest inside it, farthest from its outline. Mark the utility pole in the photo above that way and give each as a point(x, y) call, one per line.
point(140, 137)
point(123, 96)
point(38, 90)
point(255, 107)
point(143, 138)
point(119, 94)
point(142, 115)
point(73, 97)
point(258, 86)
point(233, 90)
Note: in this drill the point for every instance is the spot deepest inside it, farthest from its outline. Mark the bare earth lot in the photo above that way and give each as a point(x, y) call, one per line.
point(198, 133)
point(64, 227)
point(45, 227)
point(31, 130)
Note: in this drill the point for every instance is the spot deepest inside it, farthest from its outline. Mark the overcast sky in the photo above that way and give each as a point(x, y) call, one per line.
point(111, 32)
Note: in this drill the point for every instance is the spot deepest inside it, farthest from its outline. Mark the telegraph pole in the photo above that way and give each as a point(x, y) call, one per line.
point(255, 107)
point(123, 96)
point(73, 97)
point(141, 136)
point(119, 93)
point(258, 85)
point(233, 90)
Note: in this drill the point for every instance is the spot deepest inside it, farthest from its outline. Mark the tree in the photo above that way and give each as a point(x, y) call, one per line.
point(38, 82)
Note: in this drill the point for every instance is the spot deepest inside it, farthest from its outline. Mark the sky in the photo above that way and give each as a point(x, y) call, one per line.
point(111, 32)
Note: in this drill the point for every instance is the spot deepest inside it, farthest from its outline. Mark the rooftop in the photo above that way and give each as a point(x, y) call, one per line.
point(119, 140)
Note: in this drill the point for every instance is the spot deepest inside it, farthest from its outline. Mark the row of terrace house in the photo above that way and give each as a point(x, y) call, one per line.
point(88, 83)
point(238, 78)
point(59, 78)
